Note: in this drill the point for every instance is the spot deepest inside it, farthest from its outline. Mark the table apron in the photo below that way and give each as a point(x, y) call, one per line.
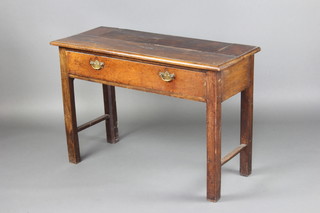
point(185, 84)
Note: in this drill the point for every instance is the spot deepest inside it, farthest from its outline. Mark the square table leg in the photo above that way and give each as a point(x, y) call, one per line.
point(246, 124)
point(213, 136)
point(69, 111)
point(110, 108)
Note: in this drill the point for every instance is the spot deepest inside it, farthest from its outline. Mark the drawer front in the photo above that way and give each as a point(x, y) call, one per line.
point(186, 84)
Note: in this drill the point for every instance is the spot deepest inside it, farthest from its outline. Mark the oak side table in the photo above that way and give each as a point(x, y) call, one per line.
point(187, 68)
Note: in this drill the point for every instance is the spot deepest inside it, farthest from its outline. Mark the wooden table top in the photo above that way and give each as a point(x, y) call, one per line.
point(181, 51)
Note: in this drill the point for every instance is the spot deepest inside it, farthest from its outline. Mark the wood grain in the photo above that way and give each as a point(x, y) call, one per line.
point(69, 110)
point(235, 78)
point(232, 154)
point(110, 108)
point(140, 75)
point(246, 124)
point(93, 122)
point(175, 50)
point(213, 136)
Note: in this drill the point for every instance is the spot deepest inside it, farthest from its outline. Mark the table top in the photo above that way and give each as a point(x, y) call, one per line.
point(175, 50)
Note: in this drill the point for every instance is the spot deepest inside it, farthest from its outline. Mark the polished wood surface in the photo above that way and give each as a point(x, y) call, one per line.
point(142, 76)
point(247, 123)
point(235, 78)
point(174, 50)
point(214, 100)
point(199, 70)
point(110, 108)
point(69, 110)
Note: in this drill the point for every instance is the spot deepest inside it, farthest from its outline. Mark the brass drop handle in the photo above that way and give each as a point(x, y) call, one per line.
point(166, 76)
point(97, 65)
